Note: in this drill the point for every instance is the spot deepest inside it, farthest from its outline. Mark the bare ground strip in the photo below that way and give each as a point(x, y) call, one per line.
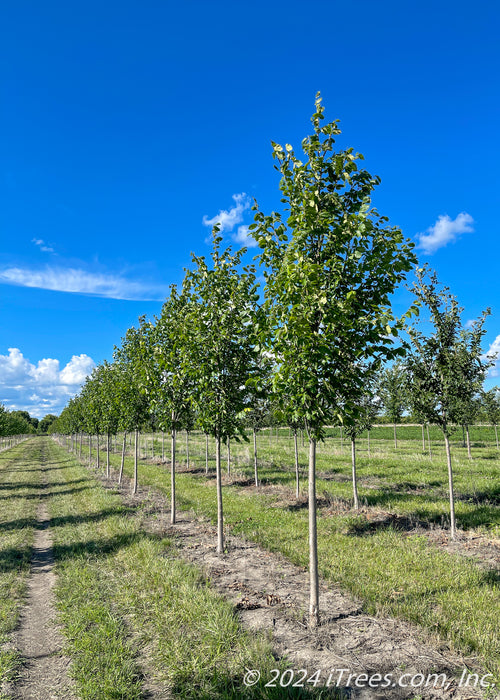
point(44, 674)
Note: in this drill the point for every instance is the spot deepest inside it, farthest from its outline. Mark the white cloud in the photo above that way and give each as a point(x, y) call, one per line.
point(42, 388)
point(494, 351)
point(227, 220)
point(243, 237)
point(76, 281)
point(444, 231)
point(42, 245)
point(79, 367)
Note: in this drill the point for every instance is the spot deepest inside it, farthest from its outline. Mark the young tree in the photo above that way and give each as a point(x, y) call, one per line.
point(107, 378)
point(133, 397)
point(331, 266)
point(171, 398)
point(490, 401)
point(357, 421)
point(220, 340)
point(259, 402)
point(392, 393)
point(447, 368)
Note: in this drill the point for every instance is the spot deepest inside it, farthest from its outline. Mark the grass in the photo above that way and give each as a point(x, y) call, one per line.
point(19, 495)
point(130, 607)
point(393, 573)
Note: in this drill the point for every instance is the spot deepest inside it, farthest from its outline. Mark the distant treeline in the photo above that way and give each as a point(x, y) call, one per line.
point(21, 423)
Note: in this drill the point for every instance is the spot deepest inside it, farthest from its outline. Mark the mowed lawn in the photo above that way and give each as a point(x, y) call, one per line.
point(393, 569)
point(136, 618)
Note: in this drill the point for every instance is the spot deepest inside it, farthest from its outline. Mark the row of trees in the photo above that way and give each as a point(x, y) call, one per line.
point(218, 358)
point(22, 423)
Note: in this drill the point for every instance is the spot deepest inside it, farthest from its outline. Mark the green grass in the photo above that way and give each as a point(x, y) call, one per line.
point(391, 572)
point(19, 496)
point(128, 605)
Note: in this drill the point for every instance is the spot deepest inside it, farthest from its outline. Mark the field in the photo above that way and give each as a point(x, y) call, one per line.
point(146, 608)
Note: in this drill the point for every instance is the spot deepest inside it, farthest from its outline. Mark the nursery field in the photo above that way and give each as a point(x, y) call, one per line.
point(146, 609)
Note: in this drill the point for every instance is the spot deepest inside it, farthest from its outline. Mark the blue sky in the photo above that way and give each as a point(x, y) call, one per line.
point(125, 126)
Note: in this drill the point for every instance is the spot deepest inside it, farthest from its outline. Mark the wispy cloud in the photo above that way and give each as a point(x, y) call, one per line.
point(77, 281)
point(43, 387)
point(227, 220)
point(42, 245)
point(444, 231)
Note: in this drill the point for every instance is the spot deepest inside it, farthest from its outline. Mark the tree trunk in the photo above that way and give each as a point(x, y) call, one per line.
point(395, 438)
point(255, 469)
point(297, 472)
point(153, 447)
point(369, 455)
point(120, 475)
point(206, 453)
point(450, 486)
point(136, 447)
point(187, 449)
point(423, 438)
point(313, 540)
point(341, 439)
point(172, 480)
point(429, 440)
point(90, 450)
point(98, 453)
point(469, 454)
point(496, 435)
point(162, 446)
point(354, 480)
point(228, 456)
point(107, 455)
point(220, 514)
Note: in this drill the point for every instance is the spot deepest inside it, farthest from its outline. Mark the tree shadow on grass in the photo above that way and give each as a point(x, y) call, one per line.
point(14, 559)
point(45, 494)
point(489, 498)
point(95, 547)
point(388, 521)
point(15, 485)
point(62, 520)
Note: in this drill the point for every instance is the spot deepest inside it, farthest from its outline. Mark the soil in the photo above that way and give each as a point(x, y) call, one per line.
point(271, 594)
point(44, 674)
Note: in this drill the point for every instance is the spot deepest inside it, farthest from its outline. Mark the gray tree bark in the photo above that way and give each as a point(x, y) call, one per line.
point(313, 540)
point(220, 514)
point(450, 487)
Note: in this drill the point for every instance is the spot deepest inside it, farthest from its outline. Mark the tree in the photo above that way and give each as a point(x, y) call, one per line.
point(107, 379)
point(490, 401)
point(172, 394)
point(392, 393)
point(330, 268)
point(445, 369)
point(46, 422)
point(220, 342)
point(135, 384)
point(356, 422)
point(259, 402)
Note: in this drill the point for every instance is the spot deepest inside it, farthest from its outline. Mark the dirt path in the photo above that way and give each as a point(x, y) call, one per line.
point(44, 672)
point(270, 594)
